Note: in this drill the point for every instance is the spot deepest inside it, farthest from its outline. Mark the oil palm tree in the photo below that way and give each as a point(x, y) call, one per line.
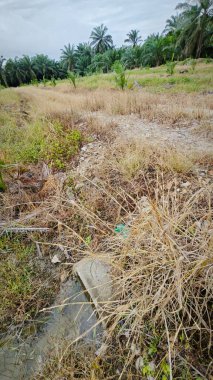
point(68, 57)
point(133, 37)
point(197, 25)
point(153, 50)
point(3, 79)
point(27, 66)
point(101, 41)
point(83, 58)
point(173, 24)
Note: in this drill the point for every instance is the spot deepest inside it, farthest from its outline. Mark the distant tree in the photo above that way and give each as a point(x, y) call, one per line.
point(26, 66)
point(153, 50)
point(3, 79)
point(44, 67)
point(83, 56)
point(132, 57)
point(68, 57)
point(101, 41)
point(173, 24)
point(197, 26)
point(133, 37)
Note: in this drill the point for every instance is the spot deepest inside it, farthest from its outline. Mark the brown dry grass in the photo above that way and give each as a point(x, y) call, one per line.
point(176, 108)
point(162, 311)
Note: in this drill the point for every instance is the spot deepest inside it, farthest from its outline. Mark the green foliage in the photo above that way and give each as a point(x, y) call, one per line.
point(61, 145)
point(2, 183)
point(37, 141)
point(132, 57)
point(68, 57)
point(188, 34)
point(101, 41)
point(15, 273)
point(165, 369)
point(170, 67)
point(23, 281)
point(34, 82)
point(120, 75)
point(53, 82)
point(72, 78)
point(133, 38)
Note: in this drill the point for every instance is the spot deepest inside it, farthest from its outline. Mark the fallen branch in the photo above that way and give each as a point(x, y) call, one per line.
point(25, 229)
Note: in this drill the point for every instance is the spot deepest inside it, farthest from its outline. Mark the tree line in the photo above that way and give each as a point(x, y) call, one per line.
point(188, 34)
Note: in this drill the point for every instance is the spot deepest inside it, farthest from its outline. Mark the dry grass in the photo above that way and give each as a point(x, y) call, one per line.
point(159, 322)
point(205, 130)
point(172, 109)
point(135, 155)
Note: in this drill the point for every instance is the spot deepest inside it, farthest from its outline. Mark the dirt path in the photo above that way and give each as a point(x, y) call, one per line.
point(182, 137)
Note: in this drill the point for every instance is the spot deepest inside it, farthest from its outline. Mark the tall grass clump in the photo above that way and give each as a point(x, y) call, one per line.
point(164, 284)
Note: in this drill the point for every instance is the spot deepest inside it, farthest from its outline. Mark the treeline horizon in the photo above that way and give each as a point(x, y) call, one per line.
point(186, 35)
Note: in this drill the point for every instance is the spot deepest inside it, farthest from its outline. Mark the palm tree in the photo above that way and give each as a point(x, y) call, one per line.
point(153, 50)
point(83, 58)
point(27, 66)
point(173, 24)
point(68, 57)
point(197, 25)
point(101, 41)
point(133, 37)
point(3, 79)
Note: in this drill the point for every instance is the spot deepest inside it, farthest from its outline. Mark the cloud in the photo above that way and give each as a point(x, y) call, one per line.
point(45, 26)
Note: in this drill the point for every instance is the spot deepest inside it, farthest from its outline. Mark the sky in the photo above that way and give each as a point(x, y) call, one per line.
point(45, 26)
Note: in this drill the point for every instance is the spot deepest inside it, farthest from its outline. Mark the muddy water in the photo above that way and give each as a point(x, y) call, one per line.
point(19, 360)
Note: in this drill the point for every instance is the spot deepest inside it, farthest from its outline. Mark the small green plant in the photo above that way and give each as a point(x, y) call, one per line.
point(193, 64)
point(53, 81)
point(120, 74)
point(34, 82)
point(165, 368)
point(170, 67)
point(61, 145)
point(72, 78)
point(44, 81)
point(2, 184)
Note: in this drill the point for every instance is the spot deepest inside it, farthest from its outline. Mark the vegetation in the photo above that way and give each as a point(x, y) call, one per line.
point(133, 38)
point(104, 186)
point(186, 35)
point(90, 170)
point(120, 76)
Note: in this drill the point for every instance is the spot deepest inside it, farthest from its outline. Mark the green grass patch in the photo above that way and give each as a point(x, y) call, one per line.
point(40, 140)
point(22, 281)
point(156, 79)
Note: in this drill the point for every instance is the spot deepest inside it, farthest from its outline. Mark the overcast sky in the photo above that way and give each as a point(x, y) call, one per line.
point(45, 26)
